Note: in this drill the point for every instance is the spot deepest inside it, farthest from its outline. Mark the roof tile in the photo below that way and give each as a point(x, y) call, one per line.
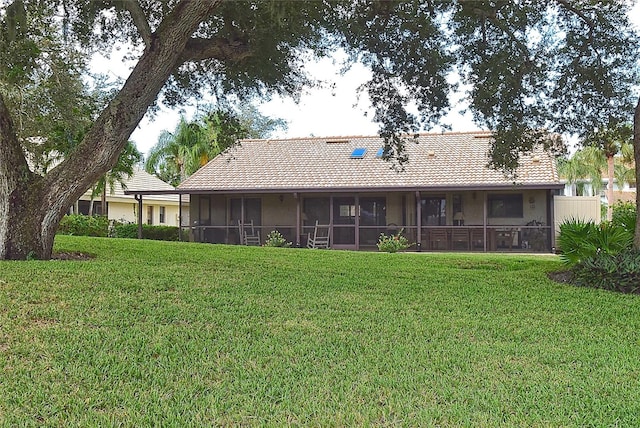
point(436, 160)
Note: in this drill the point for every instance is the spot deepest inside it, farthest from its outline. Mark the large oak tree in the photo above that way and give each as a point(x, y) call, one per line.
point(561, 66)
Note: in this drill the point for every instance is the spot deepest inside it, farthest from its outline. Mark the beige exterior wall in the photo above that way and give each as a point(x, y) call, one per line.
point(278, 213)
point(126, 210)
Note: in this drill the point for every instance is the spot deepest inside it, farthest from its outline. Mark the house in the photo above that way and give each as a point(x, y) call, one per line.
point(445, 198)
point(158, 209)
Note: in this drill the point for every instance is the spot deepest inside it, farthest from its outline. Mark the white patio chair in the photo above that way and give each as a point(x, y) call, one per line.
point(320, 238)
point(250, 236)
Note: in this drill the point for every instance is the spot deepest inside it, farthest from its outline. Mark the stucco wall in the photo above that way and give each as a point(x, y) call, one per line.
point(127, 211)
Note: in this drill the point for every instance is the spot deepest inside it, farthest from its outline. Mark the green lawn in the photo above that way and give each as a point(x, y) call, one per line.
point(178, 334)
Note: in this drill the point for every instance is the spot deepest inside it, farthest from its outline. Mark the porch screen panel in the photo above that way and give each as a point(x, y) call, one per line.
point(344, 221)
point(373, 219)
point(252, 211)
point(434, 211)
point(315, 209)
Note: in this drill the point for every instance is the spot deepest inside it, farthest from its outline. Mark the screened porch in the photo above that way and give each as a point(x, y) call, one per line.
point(503, 221)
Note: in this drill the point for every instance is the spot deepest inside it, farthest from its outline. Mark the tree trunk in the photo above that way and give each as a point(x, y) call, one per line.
point(610, 170)
point(103, 201)
point(23, 222)
point(636, 155)
point(32, 206)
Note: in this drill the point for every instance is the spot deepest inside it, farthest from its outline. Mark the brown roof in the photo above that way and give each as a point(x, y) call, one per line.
point(624, 196)
point(143, 182)
point(437, 161)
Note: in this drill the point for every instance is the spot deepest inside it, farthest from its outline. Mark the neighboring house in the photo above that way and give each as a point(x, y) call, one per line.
point(625, 192)
point(161, 209)
point(445, 198)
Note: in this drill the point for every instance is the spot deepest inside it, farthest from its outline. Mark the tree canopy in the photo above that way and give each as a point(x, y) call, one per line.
point(533, 68)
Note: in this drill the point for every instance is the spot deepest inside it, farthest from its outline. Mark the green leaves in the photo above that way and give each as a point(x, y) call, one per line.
point(580, 240)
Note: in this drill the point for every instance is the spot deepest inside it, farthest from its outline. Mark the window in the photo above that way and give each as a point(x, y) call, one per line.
point(358, 153)
point(505, 205)
point(149, 214)
point(162, 214)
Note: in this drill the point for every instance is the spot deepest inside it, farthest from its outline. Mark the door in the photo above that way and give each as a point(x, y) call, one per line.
point(344, 222)
point(373, 219)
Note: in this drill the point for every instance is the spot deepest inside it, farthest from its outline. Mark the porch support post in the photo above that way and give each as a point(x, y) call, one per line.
point(298, 216)
point(242, 219)
point(484, 219)
point(331, 220)
point(418, 223)
point(551, 220)
point(357, 225)
point(139, 199)
point(180, 217)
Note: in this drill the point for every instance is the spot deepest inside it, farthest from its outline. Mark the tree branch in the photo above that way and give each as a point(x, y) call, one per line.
point(217, 48)
point(581, 14)
point(139, 20)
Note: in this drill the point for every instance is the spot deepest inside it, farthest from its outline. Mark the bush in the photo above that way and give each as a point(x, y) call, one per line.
point(617, 272)
point(393, 243)
point(580, 240)
point(157, 233)
point(624, 215)
point(275, 239)
point(84, 225)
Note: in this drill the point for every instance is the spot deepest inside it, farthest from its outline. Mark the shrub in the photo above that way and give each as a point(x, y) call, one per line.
point(617, 272)
point(624, 215)
point(393, 243)
point(580, 240)
point(157, 233)
point(275, 239)
point(84, 225)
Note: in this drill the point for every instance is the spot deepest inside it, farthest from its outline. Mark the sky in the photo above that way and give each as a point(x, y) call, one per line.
point(329, 111)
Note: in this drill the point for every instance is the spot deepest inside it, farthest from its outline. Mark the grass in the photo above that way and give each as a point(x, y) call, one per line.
point(178, 334)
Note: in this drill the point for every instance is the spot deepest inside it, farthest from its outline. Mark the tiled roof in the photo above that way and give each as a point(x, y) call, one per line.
point(144, 182)
point(442, 160)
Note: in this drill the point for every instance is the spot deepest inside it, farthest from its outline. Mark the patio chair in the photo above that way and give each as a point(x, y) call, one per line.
point(437, 237)
point(460, 238)
point(320, 238)
point(250, 236)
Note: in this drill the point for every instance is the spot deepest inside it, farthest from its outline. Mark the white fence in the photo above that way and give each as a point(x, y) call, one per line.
point(585, 208)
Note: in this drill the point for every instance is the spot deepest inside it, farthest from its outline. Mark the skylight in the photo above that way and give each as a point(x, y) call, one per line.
point(358, 153)
point(380, 152)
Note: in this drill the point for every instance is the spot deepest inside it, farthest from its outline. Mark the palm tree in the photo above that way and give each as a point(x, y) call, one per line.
point(171, 159)
point(611, 140)
point(179, 154)
point(586, 165)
